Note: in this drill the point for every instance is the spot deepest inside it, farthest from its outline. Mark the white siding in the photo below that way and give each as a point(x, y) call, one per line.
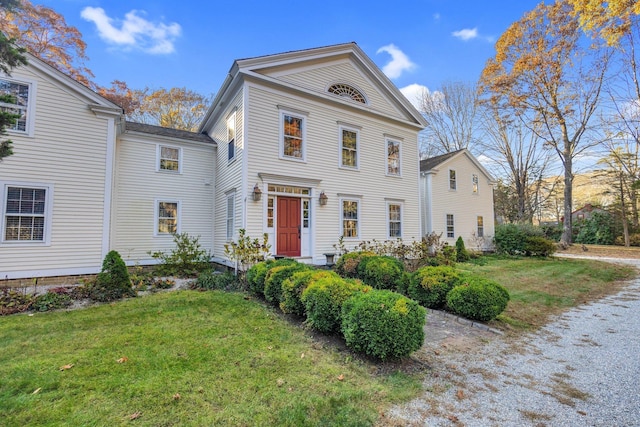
point(68, 150)
point(139, 185)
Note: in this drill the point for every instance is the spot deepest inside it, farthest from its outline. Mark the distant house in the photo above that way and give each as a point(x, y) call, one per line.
point(585, 212)
point(306, 146)
point(457, 199)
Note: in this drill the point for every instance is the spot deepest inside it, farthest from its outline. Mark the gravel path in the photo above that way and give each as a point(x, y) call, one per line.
point(583, 369)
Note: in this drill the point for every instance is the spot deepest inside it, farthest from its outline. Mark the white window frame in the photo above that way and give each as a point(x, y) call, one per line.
point(230, 216)
point(303, 118)
point(479, 226)
point(231, 139)
point(48, 212)
point(475, 183)
point(453, 225)
point(342, 129)
point(29, 110)
point(389, 221)
point(453, 182)
point(358, 218)
point(159, 168)
point(386, 157)
point(156, 225)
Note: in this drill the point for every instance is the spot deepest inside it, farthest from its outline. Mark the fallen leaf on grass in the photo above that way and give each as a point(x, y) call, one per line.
point(280, 382)
point(176, 396)
point(340, 377)
point(123, 360)
point(36, 391)
point(135, 416)
point(302, 356)
point(65, 367)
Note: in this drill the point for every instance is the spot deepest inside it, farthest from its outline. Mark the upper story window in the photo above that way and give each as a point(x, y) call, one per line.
point(20, 103)
point(453, 184)
point(169, 158)
point(349, 148)
point(474, 183)
point(293, 136)
point(231, 137)
point(393, 157)
point(347, 91)
point(27, 213)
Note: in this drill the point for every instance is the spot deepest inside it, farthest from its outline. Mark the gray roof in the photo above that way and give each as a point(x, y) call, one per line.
point(432, 162)
point(168, 132)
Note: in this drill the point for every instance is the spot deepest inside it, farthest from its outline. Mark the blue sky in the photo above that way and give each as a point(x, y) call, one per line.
point(161, 43)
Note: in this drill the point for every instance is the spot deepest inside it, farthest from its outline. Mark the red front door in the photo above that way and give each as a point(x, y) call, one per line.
point(288, 230)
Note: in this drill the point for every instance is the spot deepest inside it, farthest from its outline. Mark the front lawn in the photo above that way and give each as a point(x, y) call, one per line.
point(541, 288)
point(183, 358)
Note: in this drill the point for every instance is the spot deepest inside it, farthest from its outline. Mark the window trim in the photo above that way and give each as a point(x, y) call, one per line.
point(341, 129)
point(156, 232)
point(159, 158)
point(453, 225)
point(388, 213)
point(31, 105)
point(475, 183)
point(479, 226)
point(230, 226)
point(231, 154)
point(453, 181)
point(389, 140)
point(358, 217)
point(298, 115)
point(48, 212)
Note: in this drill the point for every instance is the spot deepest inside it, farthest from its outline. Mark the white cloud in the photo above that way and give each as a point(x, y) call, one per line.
point(399, 62)
point(466, 34)
point(134, 31)
point(414, 93)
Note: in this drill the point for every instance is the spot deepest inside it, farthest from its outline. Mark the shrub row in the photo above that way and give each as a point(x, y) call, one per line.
point(379, 323)
point(522, 239)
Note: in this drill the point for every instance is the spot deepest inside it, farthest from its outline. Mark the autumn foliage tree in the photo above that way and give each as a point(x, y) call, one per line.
point(552, 78)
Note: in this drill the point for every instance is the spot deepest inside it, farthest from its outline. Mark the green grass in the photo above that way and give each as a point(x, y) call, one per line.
point(231, 360)
point(541, 288)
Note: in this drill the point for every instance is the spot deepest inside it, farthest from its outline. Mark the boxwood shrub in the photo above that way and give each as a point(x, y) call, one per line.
point(258, 272)
point(430, 285)
point(539, 246)
point(383, 324)
point(478, 299)
point(274, 278)
point(381, 272)
point(347, 264)
point(323, 300)
point(293, 286)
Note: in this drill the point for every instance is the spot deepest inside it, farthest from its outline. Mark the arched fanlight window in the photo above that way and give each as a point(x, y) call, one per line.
point(347, 91)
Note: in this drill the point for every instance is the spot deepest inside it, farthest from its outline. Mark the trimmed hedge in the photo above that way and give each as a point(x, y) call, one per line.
point(274, 278)
point(293, 287)
point(258, 272)
point(479, 299)
point(383, 324)
point(430, 285)
point(539, 246)
point(347, 264)
point(381, 272)
point(323, 300)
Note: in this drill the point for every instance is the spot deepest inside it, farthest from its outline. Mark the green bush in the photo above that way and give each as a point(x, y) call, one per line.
point(12, 301)
point(258, 272)
point(430, 285)
point(510, 239)
point(599, 229)
point(113, 282)
point(323, 300)
point(347, 264)
point(478, 299)
point(539, 246)
point(214, 280)
point(462, 255)
point(51, 301)
point(381, 272)
point(275, 276)
point(187, 259)
point(293, 287)
point(383, 324)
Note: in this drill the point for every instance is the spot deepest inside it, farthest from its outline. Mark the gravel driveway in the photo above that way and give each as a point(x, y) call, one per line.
point(583, 369)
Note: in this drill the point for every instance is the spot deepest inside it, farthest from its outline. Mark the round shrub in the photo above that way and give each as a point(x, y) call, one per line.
point(258, 272)
point(323, 300)
point(539, 246)
point(381, 272)
point(347, 264)
point(510, 239)
point(293, 287)
point(478, 299)
point(430, 285)
point(383, 324)
point(275, 276)
point(113, 281)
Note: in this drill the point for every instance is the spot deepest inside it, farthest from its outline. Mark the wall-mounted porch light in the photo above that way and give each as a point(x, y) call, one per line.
point(323, 199)
point(257, 193)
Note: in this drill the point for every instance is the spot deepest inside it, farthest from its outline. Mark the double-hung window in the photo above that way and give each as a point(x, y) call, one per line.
point(19, 104)
point(480, 221)
point(26, 213)
point(231, 209)
point(394, 211)
point(474, 183)
point(393, 157)
point(231, 137)
point(292, 145)
point(450, 226)
point(350, 218)
point(169, 158)
point(167, 217)
point(453, 183)
point(349, 141)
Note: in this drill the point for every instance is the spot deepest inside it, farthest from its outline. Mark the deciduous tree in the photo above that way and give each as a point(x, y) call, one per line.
point(178, 108)
point(609, 19)
point(553, 79)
